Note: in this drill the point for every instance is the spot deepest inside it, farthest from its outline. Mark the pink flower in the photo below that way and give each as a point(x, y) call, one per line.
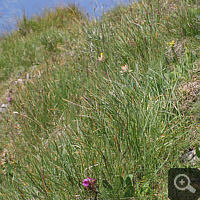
point(86, 182)
point(9, 99)
point(90, 186)
point(89, 182)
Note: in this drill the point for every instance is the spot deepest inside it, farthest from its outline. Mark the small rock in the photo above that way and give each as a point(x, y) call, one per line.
point(4, 105)
point(28, 76)
point(190, 157)
point(20, 81)
point(3, 108)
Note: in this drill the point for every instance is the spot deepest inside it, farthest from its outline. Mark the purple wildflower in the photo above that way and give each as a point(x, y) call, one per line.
point(89, 182)
point(89, 185)
point(9, 99)
point(86, 182)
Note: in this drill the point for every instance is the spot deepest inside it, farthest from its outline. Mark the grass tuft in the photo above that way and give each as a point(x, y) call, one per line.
point(116, 100)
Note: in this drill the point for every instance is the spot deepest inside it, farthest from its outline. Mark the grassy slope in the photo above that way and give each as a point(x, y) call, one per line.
point(79, 116)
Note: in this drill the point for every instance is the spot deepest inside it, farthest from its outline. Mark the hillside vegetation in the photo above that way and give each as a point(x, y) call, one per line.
point(115, 99)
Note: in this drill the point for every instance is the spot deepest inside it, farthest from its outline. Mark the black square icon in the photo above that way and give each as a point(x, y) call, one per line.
point(184, 184)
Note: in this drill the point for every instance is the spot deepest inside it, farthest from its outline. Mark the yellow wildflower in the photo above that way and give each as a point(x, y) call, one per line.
point(172, 43)
point(101, 58)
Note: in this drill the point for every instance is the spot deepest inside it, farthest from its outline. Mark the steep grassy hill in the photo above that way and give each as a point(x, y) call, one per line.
point(116, 100)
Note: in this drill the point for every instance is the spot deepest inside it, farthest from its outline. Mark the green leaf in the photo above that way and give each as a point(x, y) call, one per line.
point(197, 151)
point(119, 182)
point(129, 180)
point(129, 192)
point(107, 185)
point(198, 17)
point(197, 36)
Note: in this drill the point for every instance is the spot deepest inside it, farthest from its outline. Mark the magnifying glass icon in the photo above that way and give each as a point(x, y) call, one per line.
point(182, 182)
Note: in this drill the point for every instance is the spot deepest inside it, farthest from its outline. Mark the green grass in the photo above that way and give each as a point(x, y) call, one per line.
point(78, 116)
